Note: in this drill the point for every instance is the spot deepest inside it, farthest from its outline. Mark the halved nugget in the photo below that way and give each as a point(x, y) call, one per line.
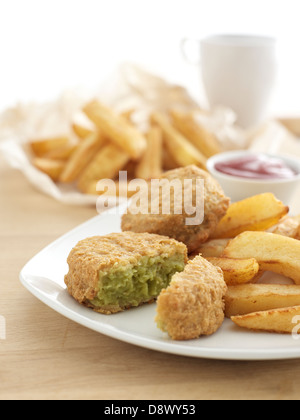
point(122, 270)
point(193, 305)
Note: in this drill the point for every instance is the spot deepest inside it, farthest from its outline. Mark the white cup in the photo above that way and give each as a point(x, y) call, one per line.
point(239, 72)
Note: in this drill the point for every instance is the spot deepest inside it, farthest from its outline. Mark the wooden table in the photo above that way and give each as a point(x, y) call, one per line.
point(46, 356)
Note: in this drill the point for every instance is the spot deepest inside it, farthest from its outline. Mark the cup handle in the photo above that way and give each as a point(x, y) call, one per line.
point(190, 51)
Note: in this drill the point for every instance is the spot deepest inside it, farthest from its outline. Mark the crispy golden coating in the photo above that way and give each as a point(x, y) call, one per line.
point(102, 253)
point(193, 304)
point(174, 225)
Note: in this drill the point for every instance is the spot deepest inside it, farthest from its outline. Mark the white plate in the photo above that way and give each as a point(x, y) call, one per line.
point(43, 276)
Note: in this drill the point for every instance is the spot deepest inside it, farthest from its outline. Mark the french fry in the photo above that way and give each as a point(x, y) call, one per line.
point(213, 248)
point(150, 166)
point(292, 124)
point(63, 153)
point(281, 321)
point(121, 189)
point(168, 161)
point(237, 271)
point(257, 213)
point(106, 165)
point(130, 169)
point(40, 147)
point(81, 131)
point(117, 128)
point(199, 136)
point(247, 298)
point(50, 167)
point(128, 115)
point(82, 156)
point(182, 151)
point(275, 253)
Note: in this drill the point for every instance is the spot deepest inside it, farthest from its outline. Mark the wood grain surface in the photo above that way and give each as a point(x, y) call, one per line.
point(46, 356)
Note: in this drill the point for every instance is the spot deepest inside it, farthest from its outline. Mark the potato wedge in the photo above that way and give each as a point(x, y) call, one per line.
point(281, 321)
point(237, 271)
point(275, 253)
point(40, 147)
point(247, 298)
point(50, 167)
point(105, 165)
point(297, 219)
point(256, 213)
point(288, 226)
point(181, 150)
point(82, 156)
point(213, 248)
point(117, 129)
point(199, 136)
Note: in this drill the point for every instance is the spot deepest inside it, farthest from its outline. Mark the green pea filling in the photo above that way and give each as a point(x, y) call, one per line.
point(132, 285)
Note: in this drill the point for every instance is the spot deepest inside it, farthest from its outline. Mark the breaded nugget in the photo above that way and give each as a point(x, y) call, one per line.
point(174, 225)
point(114, 272)
point(193, 305)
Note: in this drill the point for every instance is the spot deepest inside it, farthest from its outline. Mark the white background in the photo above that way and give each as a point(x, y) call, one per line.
point(47, 46)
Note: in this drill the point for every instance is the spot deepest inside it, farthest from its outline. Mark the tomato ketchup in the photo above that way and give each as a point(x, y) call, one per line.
point(257, 167)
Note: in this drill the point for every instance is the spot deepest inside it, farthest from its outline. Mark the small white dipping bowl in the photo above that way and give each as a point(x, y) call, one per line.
point(238, 188)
